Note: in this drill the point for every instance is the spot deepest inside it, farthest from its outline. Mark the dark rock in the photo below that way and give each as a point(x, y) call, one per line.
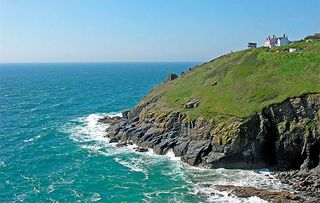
point(141, 149)
point(181, 147)
point(172, 76)
point(196, 150)
point(190, 105)
point(121, 144)
point(214, 84)
point(110, 120)
point(125, 114)
point(136, 119)
point(113, 140)
point(246, 192)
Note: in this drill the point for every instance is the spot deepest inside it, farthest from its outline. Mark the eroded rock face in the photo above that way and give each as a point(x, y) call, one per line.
point(283, 136)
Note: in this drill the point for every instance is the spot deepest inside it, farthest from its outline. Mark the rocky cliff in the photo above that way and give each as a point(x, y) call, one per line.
point(282, 136)
point(249, 109)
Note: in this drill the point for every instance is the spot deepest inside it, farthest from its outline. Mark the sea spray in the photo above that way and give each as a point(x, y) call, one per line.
point(89, 134)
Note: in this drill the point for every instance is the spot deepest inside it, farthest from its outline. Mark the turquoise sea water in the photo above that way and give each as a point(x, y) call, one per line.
point(52, 149)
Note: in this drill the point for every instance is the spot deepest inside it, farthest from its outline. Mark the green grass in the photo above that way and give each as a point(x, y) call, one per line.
point(247, 81)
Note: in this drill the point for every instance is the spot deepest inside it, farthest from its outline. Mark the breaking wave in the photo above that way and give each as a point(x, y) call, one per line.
point(89, 134)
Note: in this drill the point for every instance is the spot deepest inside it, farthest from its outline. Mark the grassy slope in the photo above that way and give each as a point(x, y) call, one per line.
point(247, 81)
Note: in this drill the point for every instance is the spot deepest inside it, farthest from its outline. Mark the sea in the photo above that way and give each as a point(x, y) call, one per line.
point(53, 149)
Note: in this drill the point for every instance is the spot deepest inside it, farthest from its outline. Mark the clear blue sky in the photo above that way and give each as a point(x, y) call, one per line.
point(145, 30)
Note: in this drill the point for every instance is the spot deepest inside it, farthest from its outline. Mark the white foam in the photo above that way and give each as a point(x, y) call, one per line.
point(34, 109)
point(256, 200)
point(51, 188)
point(172, 156)
point(32, 139)
point(90, 147)
point(88, 129)
point(89, 134)
point(130, 165)
point(95, 197)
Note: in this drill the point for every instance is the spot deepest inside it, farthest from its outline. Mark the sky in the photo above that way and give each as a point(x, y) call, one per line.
point(145, 30)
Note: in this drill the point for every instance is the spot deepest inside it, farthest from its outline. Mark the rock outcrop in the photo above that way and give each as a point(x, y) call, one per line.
point(284, 136)
point(281, 136)
point(172, 76)
point(246, 192)
point(306, 181)
point(191, 104)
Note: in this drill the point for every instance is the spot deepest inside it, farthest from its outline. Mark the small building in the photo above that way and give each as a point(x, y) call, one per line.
point(252, 45)
point(281, 41)
point(292, 50)
point(271, 42)
point(274, 41)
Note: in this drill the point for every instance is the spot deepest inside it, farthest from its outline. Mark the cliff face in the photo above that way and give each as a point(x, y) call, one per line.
point(283, 136)
point(233, 112)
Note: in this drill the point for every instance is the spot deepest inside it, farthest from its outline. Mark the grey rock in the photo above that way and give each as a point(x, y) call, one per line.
point(141, 149)
point(121, 144)
point(113, 140)
point(172, 76)
point(191, 104)
point(196, 150)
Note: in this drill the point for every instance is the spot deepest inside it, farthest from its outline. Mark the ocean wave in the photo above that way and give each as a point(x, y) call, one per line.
point(132, 165)
point(89, 134)
point(32, 139)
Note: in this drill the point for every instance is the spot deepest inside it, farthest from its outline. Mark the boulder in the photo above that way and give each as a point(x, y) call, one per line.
point(191, 104)
point(141, 149)
point(121, 144)
point(113, 140)
point(214, 84)
point(172, 76)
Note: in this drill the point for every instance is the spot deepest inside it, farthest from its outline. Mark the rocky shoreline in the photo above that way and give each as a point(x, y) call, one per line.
point(305, 182)
point(281, 137)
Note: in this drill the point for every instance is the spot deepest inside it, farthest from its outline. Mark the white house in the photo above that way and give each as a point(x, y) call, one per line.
point(282, 41)
point(271, 42)
point(274, 41)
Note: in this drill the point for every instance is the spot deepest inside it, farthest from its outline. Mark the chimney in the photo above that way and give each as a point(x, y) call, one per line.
point(284, 35)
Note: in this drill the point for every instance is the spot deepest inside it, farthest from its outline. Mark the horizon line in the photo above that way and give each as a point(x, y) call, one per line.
point(84, 62)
